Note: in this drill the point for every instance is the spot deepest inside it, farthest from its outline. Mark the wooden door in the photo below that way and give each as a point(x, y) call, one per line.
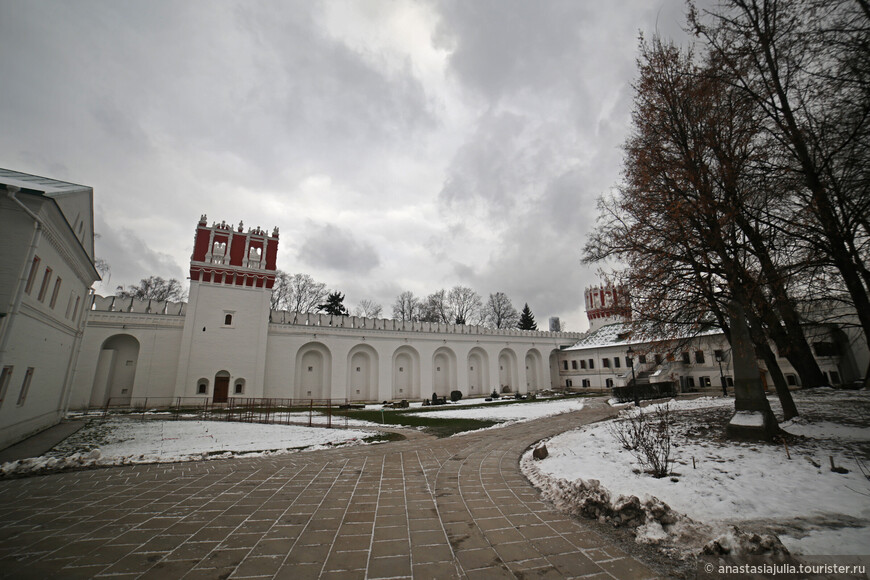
point(221, 389)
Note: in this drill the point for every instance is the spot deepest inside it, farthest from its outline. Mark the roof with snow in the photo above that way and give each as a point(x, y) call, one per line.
point(620, 334)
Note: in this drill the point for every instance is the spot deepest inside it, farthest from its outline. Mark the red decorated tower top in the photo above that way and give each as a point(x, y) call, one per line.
point(606, 304)
point(224, 254)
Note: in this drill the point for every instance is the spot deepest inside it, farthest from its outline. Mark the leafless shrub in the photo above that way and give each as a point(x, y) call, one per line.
point(648, 437)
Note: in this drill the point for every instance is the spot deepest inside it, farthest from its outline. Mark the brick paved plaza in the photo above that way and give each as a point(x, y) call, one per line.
point(422, 508)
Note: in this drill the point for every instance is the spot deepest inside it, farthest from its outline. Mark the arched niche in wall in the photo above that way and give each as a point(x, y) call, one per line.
point(406, 373)
point(116, 371)
point(313, 377)
point(362, 373)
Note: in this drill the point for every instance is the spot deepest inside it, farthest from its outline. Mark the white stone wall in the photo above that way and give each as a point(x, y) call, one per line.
point(298, 354)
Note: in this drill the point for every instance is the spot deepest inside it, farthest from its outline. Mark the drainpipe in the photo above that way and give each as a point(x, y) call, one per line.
point(15, 305)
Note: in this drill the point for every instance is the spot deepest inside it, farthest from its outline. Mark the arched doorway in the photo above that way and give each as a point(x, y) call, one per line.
point(313, 372)
point(116, 371)
point(478, 372)
point(221, 387)
point(362, 374)
point(406, 373)
point(444, 371)
point(507, 370)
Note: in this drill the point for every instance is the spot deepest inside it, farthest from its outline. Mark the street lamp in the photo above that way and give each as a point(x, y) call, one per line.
point(630, 353)
point(719, 356)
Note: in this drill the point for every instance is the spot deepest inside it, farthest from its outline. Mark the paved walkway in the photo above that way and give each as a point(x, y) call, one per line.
point(425, 508)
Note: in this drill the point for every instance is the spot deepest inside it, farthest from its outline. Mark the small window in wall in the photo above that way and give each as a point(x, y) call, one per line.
point(658, 359)
point(31, 277)
point(719, 355)
point(586, 383)
point(202, 387)
point(25, 386)
point(729, 381)
point(628, 362)
point(5, 377)
point(76, 307)
point(358, 369)
point(641, 358)
point(582, 364)
point(686, 359)
point(616, 361)
point(791, 380)
point(699, 356)
point(574, 365)
point(401, 370)
point(605, 362)
point(705, 381)
point(591, 363)
point(46, 278)
point(310, 369)
point(569, 383)
point(55, 292)
point(690, 382)
point(228, 318)
point(239, 387)
point(565, 365)
point(609, 383)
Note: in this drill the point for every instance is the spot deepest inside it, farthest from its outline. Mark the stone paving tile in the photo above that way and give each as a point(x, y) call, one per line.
point(450, 508)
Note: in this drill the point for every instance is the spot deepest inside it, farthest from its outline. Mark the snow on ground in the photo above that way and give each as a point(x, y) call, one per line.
point(129, 440)
point(511, 413)
point(813, 509)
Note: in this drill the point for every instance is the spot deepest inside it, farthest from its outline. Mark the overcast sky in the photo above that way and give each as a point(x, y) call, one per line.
point(398, 145)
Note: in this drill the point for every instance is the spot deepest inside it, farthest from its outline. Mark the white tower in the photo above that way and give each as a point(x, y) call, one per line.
point(223, 348)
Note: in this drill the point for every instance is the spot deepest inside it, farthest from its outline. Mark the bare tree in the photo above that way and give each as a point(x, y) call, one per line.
point(465, 305)
point(297, 293)
point(406, 307)
point(499, 312)
point(154, 288)
point(280, 298)
point(436, 308)
point(804, 64)
point(368, 309)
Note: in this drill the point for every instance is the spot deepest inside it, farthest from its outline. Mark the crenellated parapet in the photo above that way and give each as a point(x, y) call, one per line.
point(127, 304)
point(391, 325)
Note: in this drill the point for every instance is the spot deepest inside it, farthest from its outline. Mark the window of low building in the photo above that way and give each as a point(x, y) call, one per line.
point(686, 359)
point(31, 277)
point(591, 363)
point(605, 362)
point(616, 362)
point(202, 387)
point(239, 386)
point(574, 365)
point(25, 386)
point(699, 356)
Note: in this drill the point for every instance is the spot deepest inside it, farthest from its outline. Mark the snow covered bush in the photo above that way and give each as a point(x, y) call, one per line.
point(648, 437)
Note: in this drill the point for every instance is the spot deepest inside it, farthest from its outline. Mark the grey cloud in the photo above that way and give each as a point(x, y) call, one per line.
point(337, 249)
point(130, 257)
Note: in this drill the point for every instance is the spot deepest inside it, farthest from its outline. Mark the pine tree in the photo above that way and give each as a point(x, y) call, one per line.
point(527, 319)
point(334, 305)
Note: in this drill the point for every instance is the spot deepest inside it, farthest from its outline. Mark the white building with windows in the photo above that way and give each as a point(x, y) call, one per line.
point(46, 270)
point(601, 359)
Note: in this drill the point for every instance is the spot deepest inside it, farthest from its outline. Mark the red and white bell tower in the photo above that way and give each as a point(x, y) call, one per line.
point(223, 348)
point(605, 305)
